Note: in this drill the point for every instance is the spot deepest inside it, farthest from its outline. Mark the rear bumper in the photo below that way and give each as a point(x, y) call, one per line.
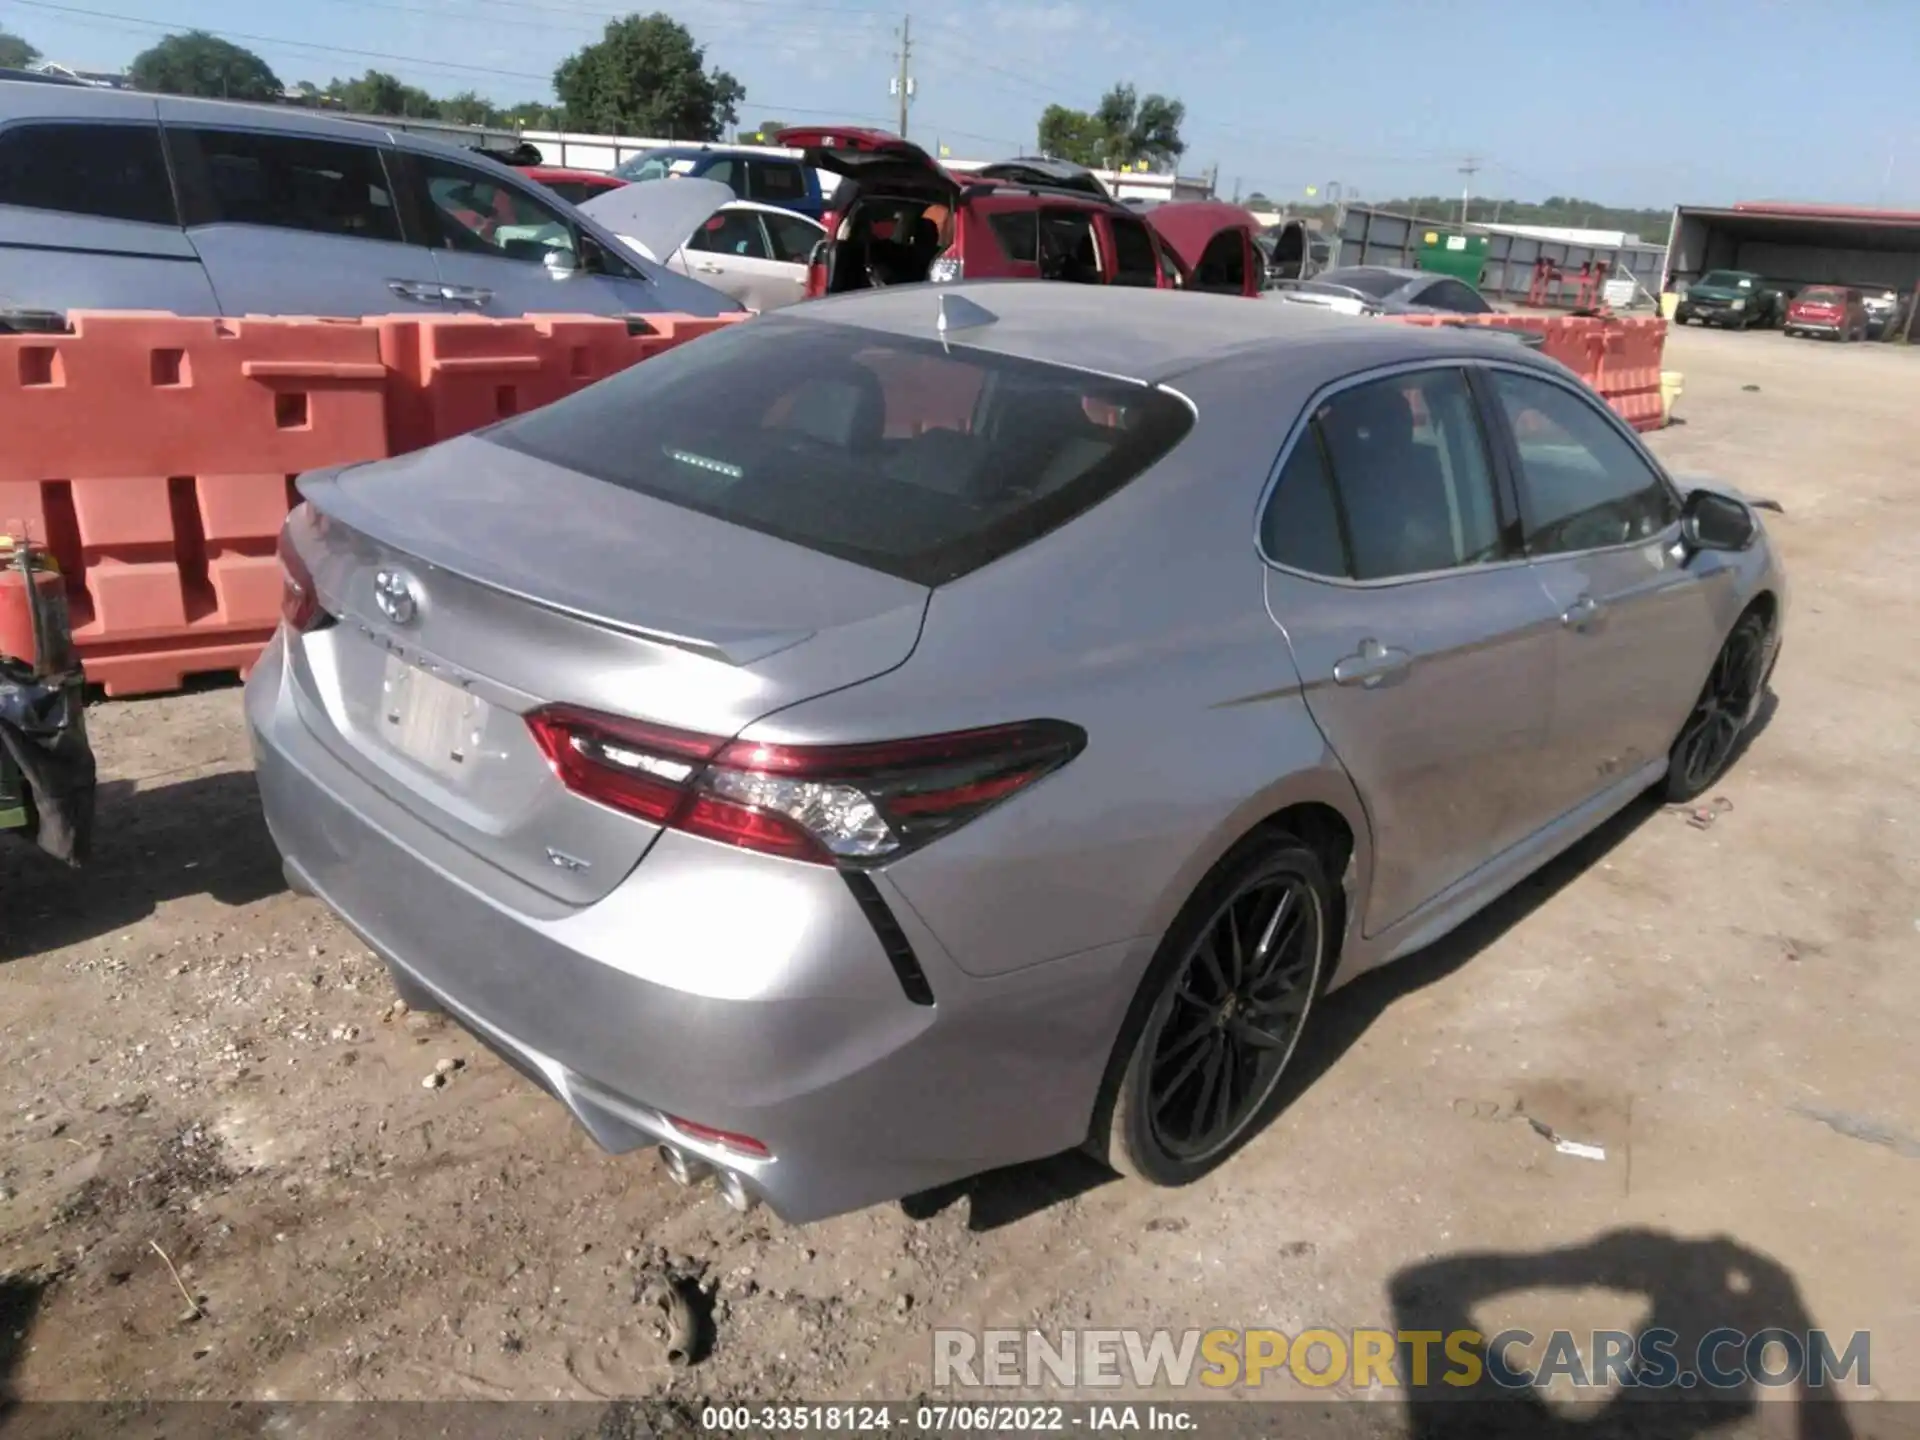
point(743, 993)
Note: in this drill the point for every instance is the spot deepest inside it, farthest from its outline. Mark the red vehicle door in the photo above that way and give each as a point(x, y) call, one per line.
point(1215, 244)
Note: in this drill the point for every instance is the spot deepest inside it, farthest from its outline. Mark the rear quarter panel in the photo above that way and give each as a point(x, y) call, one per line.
point(1144, 622)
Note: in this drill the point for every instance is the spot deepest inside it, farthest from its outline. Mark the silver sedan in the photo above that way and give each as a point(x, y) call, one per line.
point(935, 728)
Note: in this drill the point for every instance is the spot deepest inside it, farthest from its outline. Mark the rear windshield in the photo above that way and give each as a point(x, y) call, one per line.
point(900, 455)
point(1823, 294)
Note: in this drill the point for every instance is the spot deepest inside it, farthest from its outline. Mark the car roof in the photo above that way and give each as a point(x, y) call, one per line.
point(1149, 334)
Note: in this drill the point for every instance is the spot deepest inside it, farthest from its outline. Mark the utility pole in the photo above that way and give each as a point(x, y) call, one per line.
point(903, 82)
point(1469, 168)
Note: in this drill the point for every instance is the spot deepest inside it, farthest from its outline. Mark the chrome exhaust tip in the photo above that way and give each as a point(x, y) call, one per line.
point(734, 1191)
point(681, 1167)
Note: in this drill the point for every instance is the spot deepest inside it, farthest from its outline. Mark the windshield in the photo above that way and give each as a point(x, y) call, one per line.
point(1727, 280)
point(650, 166)
point(901, 455)
point(1375, 284)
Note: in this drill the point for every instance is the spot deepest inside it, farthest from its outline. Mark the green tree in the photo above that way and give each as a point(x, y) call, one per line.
point(15, 53)
point(646, 76)
point(378, 93)
point(1071, 135)
point(1137, 127)
point(197, 63)
point(533, 115)
point(468, 108)
point(763, 133)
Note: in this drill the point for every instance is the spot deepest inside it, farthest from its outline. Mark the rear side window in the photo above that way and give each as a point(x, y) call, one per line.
point(1223, 265)
point(1411, 475)
point(1067, 248)
point(1301, 528)
point(290, 182)
point(775, 181)
point(1134, 262)
point(115, 172)
point(732, 232)
point(891, 453)
point(1018, 232)
point(793, 238)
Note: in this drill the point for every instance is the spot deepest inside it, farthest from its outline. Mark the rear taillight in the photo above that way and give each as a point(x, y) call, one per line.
point(947, 269)
point(828, 804)
point(299, 603)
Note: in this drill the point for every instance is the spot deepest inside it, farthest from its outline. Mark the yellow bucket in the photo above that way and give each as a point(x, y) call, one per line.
point(1669, 304)
point(1672, 383)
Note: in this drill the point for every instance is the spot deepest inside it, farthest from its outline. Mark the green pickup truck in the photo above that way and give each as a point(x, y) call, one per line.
point(1738, 298)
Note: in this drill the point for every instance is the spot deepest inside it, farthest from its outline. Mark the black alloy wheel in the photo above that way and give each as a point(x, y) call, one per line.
point(1237, 985)
point(1712, 731)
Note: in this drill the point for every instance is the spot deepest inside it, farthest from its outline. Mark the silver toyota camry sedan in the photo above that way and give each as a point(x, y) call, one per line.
point(937, 728)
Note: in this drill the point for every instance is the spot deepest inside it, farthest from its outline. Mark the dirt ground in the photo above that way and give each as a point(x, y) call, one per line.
point(203, 1075)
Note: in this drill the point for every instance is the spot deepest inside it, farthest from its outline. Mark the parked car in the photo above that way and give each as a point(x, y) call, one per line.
point(1833, 310)
point(1387, 290)
point(1739, 298)
point(758, 254)
point(1885, 313)
point(576, 187)
point(1293, 252)
point(900, 218)
point(933, 728)
point(767, 176)
point(125, 201)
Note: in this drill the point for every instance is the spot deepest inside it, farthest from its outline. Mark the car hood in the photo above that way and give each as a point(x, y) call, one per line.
point(658, 215)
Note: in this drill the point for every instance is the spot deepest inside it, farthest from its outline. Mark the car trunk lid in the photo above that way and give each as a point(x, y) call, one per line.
point(473, 584)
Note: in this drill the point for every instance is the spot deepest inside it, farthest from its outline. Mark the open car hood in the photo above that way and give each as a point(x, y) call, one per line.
point(659, 215)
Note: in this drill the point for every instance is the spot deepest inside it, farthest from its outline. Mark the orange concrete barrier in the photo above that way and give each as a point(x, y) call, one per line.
point(154, 454)
point(1619, 358)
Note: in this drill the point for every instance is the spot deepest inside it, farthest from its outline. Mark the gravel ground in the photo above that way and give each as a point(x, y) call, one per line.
point(231, 1168)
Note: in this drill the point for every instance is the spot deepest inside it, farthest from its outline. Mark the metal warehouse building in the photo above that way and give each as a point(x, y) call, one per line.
point(1797, 245)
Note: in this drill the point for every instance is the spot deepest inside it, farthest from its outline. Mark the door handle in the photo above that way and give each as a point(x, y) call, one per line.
point(1372, 666)
point(705, 269)
point(422, 292)
point(473, 297)
point(1583, 614)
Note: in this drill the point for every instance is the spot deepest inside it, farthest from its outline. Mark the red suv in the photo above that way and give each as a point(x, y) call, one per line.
point(900, 218)
point(1828, 310)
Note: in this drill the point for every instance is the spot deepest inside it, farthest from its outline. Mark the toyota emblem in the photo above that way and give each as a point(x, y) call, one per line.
point(394, 592)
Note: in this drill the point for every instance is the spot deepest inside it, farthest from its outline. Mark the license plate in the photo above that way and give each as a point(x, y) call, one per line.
point(428, 720)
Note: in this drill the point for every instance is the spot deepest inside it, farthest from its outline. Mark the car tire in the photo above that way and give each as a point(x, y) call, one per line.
point(1711, 736)
point(1222, 1008)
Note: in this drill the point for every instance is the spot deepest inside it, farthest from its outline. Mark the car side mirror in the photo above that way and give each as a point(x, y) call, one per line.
point(560, 263)
point(1711, 521)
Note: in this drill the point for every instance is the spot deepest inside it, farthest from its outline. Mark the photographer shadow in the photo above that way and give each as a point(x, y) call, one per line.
point(1694, 1288)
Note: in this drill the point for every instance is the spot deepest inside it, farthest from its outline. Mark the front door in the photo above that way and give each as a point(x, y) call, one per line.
point(1637, 628)
point(731, 252)
point(1425, 643)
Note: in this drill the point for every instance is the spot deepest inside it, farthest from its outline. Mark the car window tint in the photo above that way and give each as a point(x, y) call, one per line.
point(481, 214)
point(1456, 297)
point(1223, 265)
point(724, 171)
point(113, 171)
point(732, 232)
point(1067, 248)
point(1301, 528)
point(1134, 262)
point(1018, 232)
point(793, 238)
point(293, 182)
point(775, 181)
point(887, 451)
point(1583, 484)
point(1410, 467)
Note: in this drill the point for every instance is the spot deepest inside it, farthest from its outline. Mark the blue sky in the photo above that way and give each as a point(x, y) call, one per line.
point(1704, 101)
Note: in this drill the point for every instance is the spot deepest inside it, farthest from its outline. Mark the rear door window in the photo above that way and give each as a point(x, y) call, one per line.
point(724, 171)
point(289, 182)
point(1134, 262)
point(777, 182)
point(1068, 250)
point(1018, 232)
point(114, 172)
point(793, 239)
point(732, 232)
point(891, 453)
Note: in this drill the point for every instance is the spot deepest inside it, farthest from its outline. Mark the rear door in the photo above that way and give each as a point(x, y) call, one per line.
point(1424, 640)
point(90, 220)
point(1134, 260)
point(291, 224)
point(732, 253)
point(1636, 615)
